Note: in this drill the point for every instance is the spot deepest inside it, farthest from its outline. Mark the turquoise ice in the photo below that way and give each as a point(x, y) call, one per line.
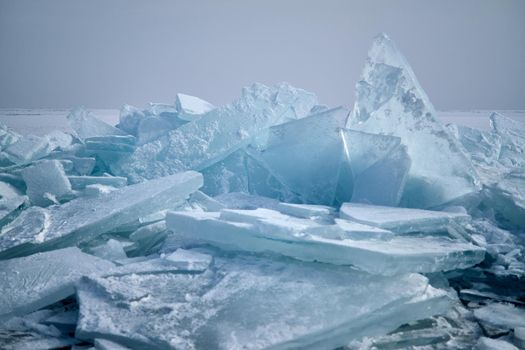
point(390, 101)
point(217, 134)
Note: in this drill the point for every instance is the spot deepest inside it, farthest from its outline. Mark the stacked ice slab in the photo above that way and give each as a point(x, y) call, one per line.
point(270, 222)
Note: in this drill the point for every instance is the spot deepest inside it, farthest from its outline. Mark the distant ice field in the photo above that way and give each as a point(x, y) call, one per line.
point(42, 121)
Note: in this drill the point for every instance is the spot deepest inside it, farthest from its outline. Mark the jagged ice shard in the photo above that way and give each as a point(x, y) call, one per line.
point(390, 101)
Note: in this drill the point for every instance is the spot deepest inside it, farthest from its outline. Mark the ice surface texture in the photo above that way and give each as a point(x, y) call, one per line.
point(271, 222)
point(247, 302)
point(39, 280)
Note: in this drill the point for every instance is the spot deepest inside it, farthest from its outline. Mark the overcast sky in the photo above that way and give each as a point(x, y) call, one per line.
point(101, 54)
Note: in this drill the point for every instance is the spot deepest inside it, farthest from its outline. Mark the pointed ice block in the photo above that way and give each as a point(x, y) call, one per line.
point(390, 101)
point(84, 218)
point(32, 282)
point(248, 302)
point(305, 155)
point(191, 108)
point(264, 230)
point(217, 134)
point(46, 182)
point(401, 220)
point(85, 125)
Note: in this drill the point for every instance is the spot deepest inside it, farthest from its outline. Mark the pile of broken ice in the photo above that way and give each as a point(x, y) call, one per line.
point(271, 222)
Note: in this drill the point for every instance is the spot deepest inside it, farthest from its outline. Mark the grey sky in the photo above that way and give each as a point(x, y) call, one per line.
point(99, 53)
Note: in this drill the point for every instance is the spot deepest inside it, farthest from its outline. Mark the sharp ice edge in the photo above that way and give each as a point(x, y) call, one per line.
point(311, 229)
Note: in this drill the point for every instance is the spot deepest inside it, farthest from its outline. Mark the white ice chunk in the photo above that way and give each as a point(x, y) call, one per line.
point(32, 282)
point(84, 218)
point(252, 303)
point(191, 108)
point(46, 181)
point(401, 220)
point(390, 101)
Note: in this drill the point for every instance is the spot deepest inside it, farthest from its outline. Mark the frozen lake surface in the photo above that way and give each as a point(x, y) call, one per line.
point(42, 121)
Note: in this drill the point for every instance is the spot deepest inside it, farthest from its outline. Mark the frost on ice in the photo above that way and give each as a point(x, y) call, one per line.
point(271, 222)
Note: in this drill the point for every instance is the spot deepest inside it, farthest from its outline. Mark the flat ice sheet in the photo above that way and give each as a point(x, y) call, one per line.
point(32, 282)
point(249, 302)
